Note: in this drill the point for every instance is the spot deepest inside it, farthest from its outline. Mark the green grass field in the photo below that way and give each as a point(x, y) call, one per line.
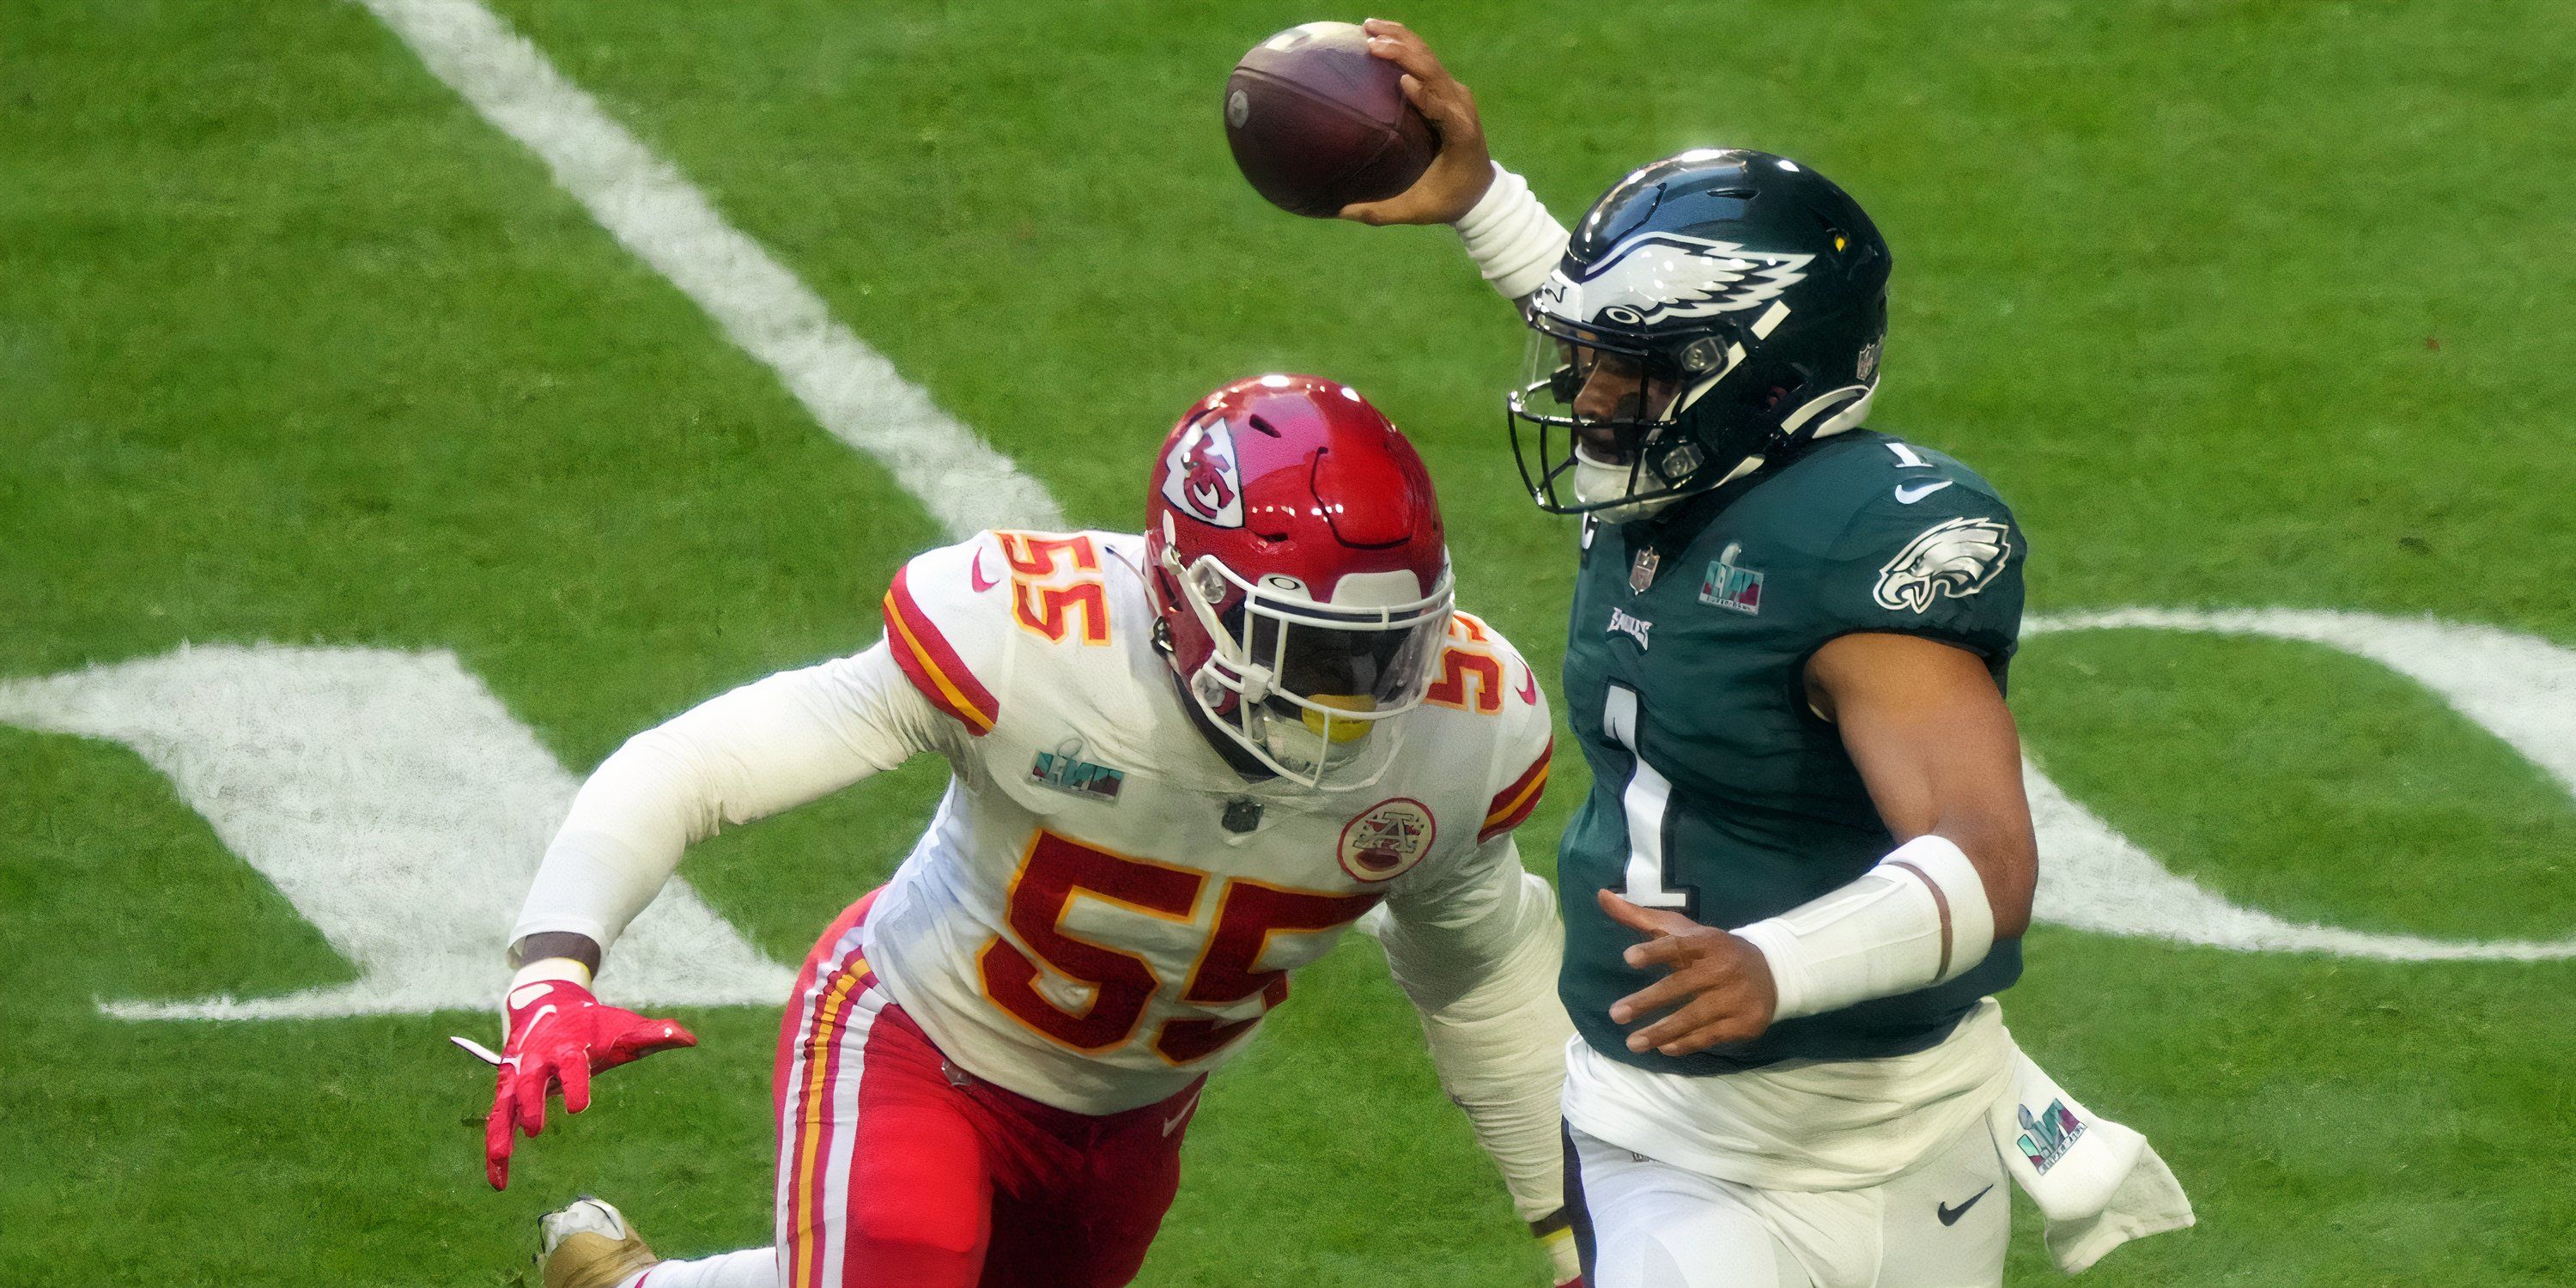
point(2242, 304)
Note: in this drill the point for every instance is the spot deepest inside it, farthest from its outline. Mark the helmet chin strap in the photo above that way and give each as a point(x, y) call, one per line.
point(1596, 482)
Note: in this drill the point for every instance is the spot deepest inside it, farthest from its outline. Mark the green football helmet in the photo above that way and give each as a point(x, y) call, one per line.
point(1714, 310)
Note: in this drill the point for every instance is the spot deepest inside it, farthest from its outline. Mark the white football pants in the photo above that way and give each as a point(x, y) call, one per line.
point(1653, 1225)
point(750, 1268)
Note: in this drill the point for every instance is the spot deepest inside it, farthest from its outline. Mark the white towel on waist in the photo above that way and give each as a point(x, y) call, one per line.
point(2097, 1184)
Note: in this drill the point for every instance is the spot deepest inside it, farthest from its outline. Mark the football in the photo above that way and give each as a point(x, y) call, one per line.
point(1316, 123)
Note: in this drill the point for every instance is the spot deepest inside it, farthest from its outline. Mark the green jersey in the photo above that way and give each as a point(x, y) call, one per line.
point(1717, 790)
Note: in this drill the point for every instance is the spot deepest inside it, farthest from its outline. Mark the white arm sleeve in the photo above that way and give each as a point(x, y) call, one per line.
point(1917, 919)
point(1510, 235)
point(1480, 966)
point(791, 738)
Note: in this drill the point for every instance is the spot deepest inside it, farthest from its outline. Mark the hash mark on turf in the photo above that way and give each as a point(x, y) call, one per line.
point(657, 213)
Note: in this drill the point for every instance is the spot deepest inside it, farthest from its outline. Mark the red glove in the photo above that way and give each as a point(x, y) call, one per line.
point(559, 1036)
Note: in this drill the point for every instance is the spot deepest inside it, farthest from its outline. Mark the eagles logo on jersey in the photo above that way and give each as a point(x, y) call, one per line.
point(1956, 557)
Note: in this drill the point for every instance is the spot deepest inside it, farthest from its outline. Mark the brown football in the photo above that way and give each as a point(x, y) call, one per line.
point(1317, 124)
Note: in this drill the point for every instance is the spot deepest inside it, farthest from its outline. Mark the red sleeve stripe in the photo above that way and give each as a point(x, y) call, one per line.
point(933, 666)
point(1513, 804)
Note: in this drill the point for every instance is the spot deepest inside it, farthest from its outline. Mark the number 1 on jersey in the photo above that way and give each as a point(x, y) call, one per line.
point(1648, 799)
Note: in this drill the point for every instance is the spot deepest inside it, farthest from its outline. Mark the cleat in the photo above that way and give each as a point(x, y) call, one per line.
point(588, 1244)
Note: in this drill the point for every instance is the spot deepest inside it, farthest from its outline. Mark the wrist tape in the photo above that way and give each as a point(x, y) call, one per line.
point(551, 968)
point(1917, 919)
point(1510, 235)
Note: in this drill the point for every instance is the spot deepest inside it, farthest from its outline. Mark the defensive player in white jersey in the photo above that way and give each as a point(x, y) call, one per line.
point(1183, 763)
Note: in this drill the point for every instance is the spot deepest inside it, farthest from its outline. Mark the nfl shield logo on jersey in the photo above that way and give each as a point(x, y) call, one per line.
point(1641, 572)
point(1387, 840)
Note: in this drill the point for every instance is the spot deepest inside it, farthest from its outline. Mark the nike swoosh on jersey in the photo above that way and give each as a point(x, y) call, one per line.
point(975, 575)
point(1529, 685)
point(1949, 1215)
point(1909, 493)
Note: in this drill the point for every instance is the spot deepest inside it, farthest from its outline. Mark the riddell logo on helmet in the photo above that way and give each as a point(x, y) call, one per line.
point(1200, 477)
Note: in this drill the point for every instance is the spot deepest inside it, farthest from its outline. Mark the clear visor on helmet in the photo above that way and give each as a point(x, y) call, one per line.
point(1612, 396)
point(1300, 684)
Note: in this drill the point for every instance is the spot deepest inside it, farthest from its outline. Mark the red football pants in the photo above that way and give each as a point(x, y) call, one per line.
point(898, 1170)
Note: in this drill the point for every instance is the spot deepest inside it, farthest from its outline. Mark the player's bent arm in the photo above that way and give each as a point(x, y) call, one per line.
point(752, 752)
point(1479, 959)
point(765, 747)
point(1936, 746)
point(1928, 730)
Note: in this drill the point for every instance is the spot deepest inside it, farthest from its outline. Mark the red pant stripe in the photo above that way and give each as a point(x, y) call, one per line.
point(841, 1019)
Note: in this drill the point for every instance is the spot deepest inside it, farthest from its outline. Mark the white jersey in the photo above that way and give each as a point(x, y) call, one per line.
point(1103, 910)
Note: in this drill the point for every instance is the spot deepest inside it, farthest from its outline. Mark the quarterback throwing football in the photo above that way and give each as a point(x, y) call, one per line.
point(1183, 763)
point(1806, 861)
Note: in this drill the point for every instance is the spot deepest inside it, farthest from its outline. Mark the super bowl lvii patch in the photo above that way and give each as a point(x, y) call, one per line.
point(1730, 586)
point(1063, 772)
point(2047, 1135)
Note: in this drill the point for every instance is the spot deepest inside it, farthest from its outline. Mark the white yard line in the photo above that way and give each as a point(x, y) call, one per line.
point(658, 214)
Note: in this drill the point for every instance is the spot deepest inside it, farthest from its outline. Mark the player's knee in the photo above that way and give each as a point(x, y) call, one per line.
point(1692, 1246)
point(931, 1255)
point(899, 1229)
point(910, 1263)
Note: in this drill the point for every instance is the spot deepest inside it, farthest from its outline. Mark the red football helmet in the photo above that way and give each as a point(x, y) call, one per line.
point(1295, 556)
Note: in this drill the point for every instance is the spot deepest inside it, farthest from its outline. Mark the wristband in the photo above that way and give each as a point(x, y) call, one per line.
point(1510, 235)
point(1918, 918)
point(551, 968)
point(1563, 1258)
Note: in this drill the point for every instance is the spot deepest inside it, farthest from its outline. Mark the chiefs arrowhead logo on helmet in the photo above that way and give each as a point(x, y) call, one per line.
point(1200, 477)
point(1304, 603)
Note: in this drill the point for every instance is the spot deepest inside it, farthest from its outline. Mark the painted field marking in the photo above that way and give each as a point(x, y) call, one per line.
point(396, 803)
point(658, 214)
point(2519, 687)
point(401, 809)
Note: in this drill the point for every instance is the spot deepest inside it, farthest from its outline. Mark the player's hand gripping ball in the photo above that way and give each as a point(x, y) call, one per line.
point(1317, 124)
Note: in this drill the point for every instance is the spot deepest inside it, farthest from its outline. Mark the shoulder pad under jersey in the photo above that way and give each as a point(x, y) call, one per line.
point(1930, 548)
point(1481, 673)
point(944, 622)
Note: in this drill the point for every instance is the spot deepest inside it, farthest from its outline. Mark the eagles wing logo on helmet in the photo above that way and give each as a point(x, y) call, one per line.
point(1200, 477)
point(1659, 275)
point(1956, 557)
